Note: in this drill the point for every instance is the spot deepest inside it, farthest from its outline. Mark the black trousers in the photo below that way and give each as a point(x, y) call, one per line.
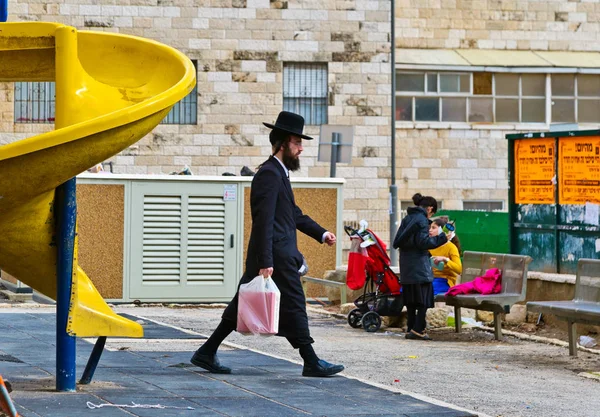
point(226, 327)
point(416, 319)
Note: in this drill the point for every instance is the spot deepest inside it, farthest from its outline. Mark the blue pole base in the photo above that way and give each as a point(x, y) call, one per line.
point(65, 205)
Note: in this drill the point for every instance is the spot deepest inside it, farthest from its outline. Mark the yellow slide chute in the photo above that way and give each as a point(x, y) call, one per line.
point(111, 90)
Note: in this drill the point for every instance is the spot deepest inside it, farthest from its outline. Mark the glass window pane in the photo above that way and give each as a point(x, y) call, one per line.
point(482, 83)
point(454, 109)
point(563, 111)
point(427, 109)
point(563, 84)
point(410, 82)
point(507, 110)
point(454, 83)
point(588, 111)
point(588, 85)
point(480, 110)
point(533, 85)
point(465, 83)
point(507, 84)
point(533, 110)
point(404, 108)
point(432, 83)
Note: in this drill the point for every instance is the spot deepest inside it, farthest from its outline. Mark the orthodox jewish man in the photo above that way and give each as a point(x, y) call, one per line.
point(273, 250)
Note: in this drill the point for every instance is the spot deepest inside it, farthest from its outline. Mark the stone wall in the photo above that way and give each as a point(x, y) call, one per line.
point(471, 164)
point(241, 46)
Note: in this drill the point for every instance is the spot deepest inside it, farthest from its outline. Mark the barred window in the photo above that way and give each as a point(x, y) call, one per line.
point(405, 204)
point(305, 91)
point(34, 102)
point(185, 111)
point(483, 205)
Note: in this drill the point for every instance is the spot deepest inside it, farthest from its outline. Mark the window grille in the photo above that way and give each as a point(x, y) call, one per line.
point(483, 205)
point(185, 111)
point(405, 204)
point(34, 102)
point(305, 91)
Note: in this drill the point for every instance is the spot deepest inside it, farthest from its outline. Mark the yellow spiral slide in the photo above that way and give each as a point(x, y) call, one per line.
point(111, 90)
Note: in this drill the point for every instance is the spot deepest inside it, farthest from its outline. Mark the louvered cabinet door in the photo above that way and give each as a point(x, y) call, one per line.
point(182, 242)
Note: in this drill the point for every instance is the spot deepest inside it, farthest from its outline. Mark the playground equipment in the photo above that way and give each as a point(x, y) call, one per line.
point(111, 90)
point(6, 405)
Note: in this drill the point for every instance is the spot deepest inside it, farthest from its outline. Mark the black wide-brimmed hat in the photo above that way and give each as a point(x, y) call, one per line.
point(290, 123)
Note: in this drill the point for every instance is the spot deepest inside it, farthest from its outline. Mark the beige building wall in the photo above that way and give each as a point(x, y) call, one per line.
point(471, 162)
point(241, 46)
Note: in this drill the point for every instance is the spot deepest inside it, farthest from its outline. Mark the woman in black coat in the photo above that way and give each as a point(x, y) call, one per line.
point(416, 275)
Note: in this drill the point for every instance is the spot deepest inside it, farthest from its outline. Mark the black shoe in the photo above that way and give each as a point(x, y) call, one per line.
point(417, 336)
point(210, 363)
point(322, 368)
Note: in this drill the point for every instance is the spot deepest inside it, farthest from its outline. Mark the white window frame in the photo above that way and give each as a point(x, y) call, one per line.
point(547, 71)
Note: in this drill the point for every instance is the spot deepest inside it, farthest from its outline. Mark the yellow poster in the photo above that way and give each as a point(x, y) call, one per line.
point(579, 170)
point(534, 171)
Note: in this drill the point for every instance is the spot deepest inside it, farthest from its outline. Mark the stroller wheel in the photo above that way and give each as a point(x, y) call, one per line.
point(371, 321)
point(354, 318)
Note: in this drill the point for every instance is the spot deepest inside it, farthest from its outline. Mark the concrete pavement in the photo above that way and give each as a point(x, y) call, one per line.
point(156, 372)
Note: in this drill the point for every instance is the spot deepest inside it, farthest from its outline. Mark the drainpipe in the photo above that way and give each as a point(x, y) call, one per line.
point(393, 187)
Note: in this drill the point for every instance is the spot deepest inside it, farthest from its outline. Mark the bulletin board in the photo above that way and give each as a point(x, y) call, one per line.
point(579, 170)
point(535, 171)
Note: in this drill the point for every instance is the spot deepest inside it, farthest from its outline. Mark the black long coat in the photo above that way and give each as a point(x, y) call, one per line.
point(273, 243)
point(414, 242)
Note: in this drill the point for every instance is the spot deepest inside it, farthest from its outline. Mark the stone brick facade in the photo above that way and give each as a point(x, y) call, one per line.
point(241, 46)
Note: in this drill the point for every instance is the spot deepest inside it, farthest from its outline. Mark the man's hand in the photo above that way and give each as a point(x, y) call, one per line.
point(266, 272)
point(330, 238)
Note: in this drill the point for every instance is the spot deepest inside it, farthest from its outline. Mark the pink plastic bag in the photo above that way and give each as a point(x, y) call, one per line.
point(258, 307)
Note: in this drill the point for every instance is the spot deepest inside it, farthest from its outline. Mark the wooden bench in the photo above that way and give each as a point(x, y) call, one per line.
point(341, 285)
point(584, 308)
point(514, 286)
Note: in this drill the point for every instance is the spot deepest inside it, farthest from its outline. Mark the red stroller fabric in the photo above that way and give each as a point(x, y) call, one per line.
point(489, 283)
point(379, 262)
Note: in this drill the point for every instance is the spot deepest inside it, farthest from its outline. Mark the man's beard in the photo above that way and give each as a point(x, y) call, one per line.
point(290, 161)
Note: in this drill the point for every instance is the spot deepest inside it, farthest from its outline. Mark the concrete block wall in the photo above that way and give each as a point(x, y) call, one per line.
point(241, 46)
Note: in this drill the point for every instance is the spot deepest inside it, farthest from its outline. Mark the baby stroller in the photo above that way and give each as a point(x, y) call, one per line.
point(369, 268)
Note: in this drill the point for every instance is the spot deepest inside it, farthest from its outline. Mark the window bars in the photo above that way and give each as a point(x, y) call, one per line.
point(305, 91)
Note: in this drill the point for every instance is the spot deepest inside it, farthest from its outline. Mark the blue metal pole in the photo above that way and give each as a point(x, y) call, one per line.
point(66, 216)
point(3, 10)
